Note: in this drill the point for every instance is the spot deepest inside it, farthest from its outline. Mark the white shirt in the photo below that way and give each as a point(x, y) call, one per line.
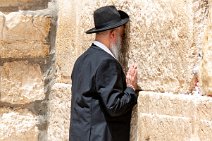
point(102, 46)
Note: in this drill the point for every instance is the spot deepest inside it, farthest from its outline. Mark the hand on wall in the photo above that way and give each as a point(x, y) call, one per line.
point(131, 77)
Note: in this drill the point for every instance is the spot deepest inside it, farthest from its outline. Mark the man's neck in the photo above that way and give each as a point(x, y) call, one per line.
point(103, 40)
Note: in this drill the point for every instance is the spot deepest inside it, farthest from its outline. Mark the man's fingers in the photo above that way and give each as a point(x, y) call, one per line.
point(132, 72)
point(131, 77)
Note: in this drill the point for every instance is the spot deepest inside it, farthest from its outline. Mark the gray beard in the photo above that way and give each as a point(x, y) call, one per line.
point(116, 49)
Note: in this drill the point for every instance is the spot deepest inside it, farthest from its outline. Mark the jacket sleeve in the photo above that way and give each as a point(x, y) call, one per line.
point(114, 96)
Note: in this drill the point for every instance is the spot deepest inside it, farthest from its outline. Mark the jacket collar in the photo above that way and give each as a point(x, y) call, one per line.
point(103, 47)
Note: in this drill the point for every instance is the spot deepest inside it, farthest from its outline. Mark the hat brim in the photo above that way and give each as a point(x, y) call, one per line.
point(124, 20)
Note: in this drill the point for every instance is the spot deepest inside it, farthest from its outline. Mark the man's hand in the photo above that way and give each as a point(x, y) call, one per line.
point(131, 77)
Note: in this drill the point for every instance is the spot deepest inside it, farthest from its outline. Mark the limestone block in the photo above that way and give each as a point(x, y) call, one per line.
point(156, 109)
point(25, 35)
point(68, 40)
point(161, 117)
point(175, 105)
point(29, 49)
point(20, 26)
point(205, 130)
point(66, 49)
point(59, 112)
point(204, 108)
point(21, 82)
point(163, 128)
point(166, 104)
point(160, 42)
point(18, 126)
point(15, 5)
point(7, 3)
point(206, 71)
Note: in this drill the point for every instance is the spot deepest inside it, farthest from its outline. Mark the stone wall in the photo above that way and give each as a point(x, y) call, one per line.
point(166, 40)
point(170, 41)
point(165, 117)
point(26, 70)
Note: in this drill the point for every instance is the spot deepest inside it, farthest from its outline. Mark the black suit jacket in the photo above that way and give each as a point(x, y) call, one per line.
point(101, 102)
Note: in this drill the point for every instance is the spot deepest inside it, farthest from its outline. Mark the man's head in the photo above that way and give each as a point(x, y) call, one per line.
point(109, 27)
point(108, 17)
point(113, 39)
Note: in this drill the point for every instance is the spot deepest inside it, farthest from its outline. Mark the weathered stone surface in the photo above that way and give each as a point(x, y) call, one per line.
point(205, 130)
point(164, 117)
point(163, 128)
point(2, 20)
point(166, 104)
point(18, 126)
point(163, 37)
point(23, 26)
point(206, 71)
point(15, 5)
point(134, 124)
point(29, 49)
point(24, 35)
point(59, 112)
point(67, 48)
point(203, 108)
point(21, 82)
point(160, 42)
point(200, 17)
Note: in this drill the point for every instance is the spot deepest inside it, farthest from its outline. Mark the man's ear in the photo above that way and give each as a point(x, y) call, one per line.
point(112, 34)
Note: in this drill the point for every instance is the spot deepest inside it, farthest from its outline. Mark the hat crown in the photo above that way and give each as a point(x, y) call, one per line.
point(106, 15)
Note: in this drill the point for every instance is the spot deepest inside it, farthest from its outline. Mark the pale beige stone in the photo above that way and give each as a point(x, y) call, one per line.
point(160, 42)
point(67, 48)
point(205, 130)
point(20, 26)
point(7, 3)
point(163, 128)
point(15, 5)
point(206, 71)
point(28, 49)
point(18, 126)
point(203, 108)
point(163, 116)
point(21, 82)
point(59, 112)
point(0, 80)
point(30, 135)
point(153, 108)
point(2, 20)
point(25, 35)
point(166, 104)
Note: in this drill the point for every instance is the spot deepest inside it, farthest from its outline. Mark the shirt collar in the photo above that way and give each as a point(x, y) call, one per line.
point(102, 46)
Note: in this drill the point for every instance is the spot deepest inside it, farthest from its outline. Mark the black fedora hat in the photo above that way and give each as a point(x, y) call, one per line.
point(108, 17)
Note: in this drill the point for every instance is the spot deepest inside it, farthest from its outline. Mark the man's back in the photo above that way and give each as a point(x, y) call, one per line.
point(101, 102)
